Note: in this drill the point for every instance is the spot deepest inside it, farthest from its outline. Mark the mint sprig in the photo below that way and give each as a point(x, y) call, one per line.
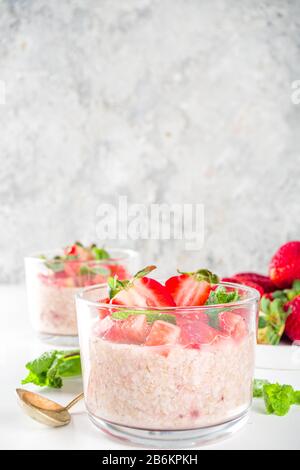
point(49, 369)
point(222, 296)
point(278, 398)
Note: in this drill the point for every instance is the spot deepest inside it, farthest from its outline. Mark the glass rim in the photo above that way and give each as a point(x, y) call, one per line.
point(124, 254)
point(254, 296)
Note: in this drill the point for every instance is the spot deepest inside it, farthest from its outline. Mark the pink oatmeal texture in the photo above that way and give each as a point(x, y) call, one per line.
point(138, 387)
point(52, 309)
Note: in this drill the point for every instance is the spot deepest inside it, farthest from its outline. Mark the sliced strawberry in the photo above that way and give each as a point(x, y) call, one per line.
point(285, 265)
point(118, 270)
point(195, 332)
point(191, 289)
point(232, 324)
point(163, 333)
point(140, 291)
point(71, 250)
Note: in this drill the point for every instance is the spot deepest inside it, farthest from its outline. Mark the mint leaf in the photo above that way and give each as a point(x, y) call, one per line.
point(297, 398)
point(55, 266)
point(278, 398)
point(50, 368)
point(258, 387)
point(100, 253)
point(115, 286)
point(83, 270)
point(151, 316)
point(222, 296)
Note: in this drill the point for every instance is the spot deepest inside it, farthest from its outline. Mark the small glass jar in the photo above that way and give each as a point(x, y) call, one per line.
point(193, 389)
point(51, 290)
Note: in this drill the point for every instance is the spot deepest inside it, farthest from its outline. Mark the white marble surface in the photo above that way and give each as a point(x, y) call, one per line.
point(159, 100)
point(17, 431)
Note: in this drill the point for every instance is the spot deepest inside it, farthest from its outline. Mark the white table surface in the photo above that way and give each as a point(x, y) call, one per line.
point(17, 431)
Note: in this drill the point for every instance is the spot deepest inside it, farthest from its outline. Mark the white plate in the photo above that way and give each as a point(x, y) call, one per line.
point(284, 356)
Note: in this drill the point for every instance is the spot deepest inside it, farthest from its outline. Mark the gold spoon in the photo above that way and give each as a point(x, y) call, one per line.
point(44, 410)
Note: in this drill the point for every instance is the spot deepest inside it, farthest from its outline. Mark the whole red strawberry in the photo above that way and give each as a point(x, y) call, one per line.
point(263, 281)
point(285, 265)
point(292, 326)
point(236, 280)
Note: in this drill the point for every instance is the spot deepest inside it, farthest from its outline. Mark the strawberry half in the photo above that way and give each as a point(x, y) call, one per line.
point(191, 289)
point(140, 291)
point(285, 264)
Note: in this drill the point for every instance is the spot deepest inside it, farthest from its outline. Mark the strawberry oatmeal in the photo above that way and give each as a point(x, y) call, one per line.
point(167, 357)
point(54, 280)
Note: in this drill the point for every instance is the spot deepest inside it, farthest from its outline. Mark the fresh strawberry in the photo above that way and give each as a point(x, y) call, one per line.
point(232, 280)
point(195, 332)
point(232, 324)
point(162, 333)
point(292, 326)
point(245, 282)
point(259, 279)
point(191, 289)
point(285, 264)
point(140, 291)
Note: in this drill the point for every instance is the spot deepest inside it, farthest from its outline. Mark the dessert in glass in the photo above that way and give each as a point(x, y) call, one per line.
point(54, 278)
point(168, 364)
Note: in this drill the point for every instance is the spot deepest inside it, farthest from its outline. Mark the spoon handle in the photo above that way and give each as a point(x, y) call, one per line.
point(74, 401)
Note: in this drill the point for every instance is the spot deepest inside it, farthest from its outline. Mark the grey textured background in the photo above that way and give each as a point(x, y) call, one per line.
point(159, 100)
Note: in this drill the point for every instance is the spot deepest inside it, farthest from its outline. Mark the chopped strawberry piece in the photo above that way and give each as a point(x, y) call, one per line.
point(195, 332)
point(72, 268)
point(232, 324)
point(186, 290)
point(136, 329)
point(103, 326)
point(133, 330)
point(163, 333)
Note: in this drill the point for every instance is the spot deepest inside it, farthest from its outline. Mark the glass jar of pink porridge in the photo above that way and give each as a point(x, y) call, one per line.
point(176, 376)
point(54, 278)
